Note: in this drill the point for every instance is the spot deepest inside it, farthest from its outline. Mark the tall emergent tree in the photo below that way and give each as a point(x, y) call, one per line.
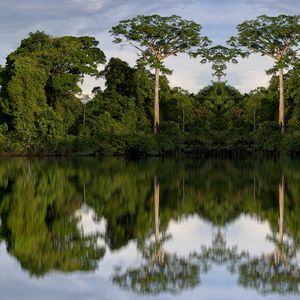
point(277, 37)
point(157, 38)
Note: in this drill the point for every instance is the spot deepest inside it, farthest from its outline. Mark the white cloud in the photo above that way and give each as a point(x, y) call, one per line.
point(90, 5)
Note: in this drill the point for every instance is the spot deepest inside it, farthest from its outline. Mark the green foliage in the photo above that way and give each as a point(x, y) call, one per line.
point(3, 135)
point(277, 37)
point(292, 92)
point(219, 56)
point(27, 97)
point(41, 112)
point(158, 37)
point(50, 130)
point(142, 144)
point(267, 137)
point(39, 86)
point(291, 142)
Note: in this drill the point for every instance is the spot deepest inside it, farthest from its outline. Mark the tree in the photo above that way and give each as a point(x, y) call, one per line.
point(220, 55)
point(178, 107)
point(41, 78)
point(277, 37)
point(292, 98)
point(257, 107)
point(66, 60)
point(218, 69)
point(118, 76)
point(157, 38)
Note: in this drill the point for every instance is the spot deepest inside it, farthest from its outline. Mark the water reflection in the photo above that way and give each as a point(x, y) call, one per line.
point(279, 271)
point(69, 215)
point(38, 221)
point(160, 271)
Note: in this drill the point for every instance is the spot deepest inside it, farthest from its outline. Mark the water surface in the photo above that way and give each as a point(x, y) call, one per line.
point(149, 229)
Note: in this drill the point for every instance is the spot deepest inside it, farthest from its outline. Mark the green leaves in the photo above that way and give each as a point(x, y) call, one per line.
point(39, 78)
point(220, 55)
point(277, 37)
point(158, 37)
point(65, 60)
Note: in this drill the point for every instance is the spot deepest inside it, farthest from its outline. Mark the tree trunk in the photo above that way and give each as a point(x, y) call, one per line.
point(156, 103)
point(281, 102)
point(281, 207)
point(156, 209)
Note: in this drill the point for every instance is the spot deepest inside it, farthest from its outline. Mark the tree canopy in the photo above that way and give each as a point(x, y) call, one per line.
point(277, 37)
point(158, 38)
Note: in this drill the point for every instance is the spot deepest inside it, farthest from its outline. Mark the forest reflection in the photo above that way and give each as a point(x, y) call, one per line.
point(42, 202)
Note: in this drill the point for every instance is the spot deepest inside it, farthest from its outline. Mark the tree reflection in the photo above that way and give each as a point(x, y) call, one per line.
point(160, 271)
point(278, 272)
point(39, 224)
point(220, 254)
point(40, 200)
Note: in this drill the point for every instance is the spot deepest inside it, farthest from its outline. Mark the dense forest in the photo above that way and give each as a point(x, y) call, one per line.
point(42, 111)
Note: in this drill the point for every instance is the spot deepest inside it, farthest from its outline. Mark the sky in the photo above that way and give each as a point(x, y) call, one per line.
point(96, 17)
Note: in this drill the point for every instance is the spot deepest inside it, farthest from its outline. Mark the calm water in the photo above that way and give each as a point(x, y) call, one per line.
point(164, 229)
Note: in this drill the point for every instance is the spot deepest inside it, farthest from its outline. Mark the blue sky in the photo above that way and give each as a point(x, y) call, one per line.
point(95, 17)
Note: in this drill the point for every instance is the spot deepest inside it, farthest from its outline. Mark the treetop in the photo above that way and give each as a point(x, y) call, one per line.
point(158, 37)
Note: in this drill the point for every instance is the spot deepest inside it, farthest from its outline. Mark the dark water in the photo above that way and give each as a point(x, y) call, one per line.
point(164, 229)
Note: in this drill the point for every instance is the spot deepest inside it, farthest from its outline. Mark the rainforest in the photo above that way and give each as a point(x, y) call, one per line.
point(136, 112)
